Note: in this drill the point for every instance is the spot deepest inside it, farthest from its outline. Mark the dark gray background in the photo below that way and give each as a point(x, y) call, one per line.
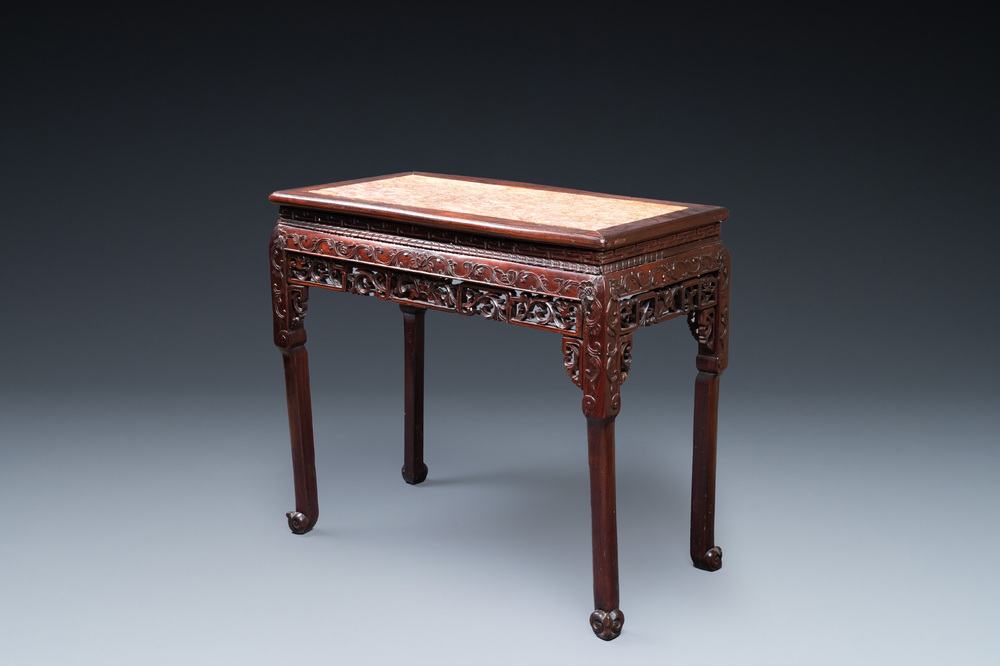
point(143, 450)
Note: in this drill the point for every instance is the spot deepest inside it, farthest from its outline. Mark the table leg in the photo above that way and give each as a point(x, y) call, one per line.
point(300, 426)
point(607, 619)
point(595, 363)
point(414, 469)
point(710, 327)
point(289, 304)
point(704, 553)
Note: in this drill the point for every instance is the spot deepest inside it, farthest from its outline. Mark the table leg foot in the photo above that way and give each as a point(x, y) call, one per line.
point(607, 625)
point(711, 560)
point(298, 522)
point(415, 477)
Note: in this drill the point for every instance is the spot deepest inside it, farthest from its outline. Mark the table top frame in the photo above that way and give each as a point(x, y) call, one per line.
point(692, 216)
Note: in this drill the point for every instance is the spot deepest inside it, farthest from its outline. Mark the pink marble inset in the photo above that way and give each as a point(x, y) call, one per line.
point(562, 209)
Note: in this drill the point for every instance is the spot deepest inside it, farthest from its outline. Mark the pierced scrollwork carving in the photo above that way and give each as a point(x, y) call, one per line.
point(415, 289)
point(537, 280)
point(486, 303)
point(708, 288)
point(689, 293)
point(544, 311)
point(516, 307)
point(667, 302)
point(368, 282)
point(571, 359)
point(521, 308)
point(696, 284)
point(315, 270)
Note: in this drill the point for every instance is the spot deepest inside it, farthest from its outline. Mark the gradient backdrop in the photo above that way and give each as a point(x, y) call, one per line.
point(144, 467)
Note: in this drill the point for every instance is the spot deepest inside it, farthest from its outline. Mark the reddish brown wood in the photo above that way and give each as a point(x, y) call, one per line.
point(289, 304)
point(607, 619)
point(593, 288)
point(309, 218)
point(300, 426)
point(693, 216)
point(709, 324)
point(704, 553)
point(414, 469)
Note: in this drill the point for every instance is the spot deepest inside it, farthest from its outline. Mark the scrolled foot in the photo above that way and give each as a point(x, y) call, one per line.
point(413, 478)
point(298, 522)
point(710, 561)
point(607, 625)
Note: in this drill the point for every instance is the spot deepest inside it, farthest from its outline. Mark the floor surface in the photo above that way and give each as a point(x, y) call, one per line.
point(152, 530)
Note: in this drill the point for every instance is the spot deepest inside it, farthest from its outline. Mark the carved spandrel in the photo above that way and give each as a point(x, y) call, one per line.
point(571, 359)
point(702, 325)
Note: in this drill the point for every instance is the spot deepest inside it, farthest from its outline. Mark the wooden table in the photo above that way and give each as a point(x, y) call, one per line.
point(590, 267)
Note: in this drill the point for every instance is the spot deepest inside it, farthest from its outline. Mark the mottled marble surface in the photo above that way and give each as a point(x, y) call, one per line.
point(575, 211)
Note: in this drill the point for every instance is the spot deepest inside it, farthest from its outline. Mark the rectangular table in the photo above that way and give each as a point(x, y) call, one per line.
point(591, 267)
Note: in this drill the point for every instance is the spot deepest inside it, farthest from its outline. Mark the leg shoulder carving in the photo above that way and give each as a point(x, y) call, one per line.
point(600, 352)
point(289, 302)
